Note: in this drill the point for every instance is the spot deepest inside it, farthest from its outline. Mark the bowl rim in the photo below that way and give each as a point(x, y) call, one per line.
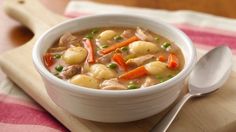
point(64, 85)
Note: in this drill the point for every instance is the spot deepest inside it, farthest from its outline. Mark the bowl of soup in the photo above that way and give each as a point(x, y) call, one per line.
point(114, 68)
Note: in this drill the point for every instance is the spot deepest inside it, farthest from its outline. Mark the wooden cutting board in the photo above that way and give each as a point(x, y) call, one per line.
point(215, 112)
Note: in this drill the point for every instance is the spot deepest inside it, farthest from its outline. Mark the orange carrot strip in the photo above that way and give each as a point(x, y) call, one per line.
point(48, 59)
point(161, 58)
point(89, 46)
point(118, 58)
point(119, 45)
point(173, 61)
point(135, 73)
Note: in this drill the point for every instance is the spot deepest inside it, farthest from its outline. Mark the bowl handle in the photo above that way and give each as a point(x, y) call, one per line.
point(32, 14)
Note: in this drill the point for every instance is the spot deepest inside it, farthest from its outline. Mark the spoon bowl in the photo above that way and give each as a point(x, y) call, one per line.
point(209, 74)
point(211, 71)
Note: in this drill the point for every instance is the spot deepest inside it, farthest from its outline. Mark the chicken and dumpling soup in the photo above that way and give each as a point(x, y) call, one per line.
point(114, 58)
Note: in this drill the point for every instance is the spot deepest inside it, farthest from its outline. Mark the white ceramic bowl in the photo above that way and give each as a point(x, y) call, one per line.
point(113, 106)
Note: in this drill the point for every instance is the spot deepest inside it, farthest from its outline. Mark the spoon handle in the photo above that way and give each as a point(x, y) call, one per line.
point(164, 124)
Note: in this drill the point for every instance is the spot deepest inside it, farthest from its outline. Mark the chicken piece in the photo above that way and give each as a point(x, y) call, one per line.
point(149, 82)
point(138, 61)
point(70, 71)
point(57, 49)
point(68, 39)
point(105, 58)
point(127, 34)
point(85, 67)
point(144, 35)
point(112, 84)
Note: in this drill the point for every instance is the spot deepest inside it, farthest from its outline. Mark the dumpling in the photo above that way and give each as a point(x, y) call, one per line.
point(85, 81)
point(100, 71)
point(142, 48)
point(75, 55)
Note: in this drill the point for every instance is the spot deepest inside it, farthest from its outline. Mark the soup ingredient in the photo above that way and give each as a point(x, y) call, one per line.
point(104, 46)
point(57, 56)
point(100, 71)
point(92, 33)
point(112, 66)
point(173, 61)
point(143, 48)
point(48, 59)
point(127, 34)
point(59, 68)
point(165, 45)
point(105, 58)
point(113, 57)
point(156, 39)
point(68, 39)
point(85, 67)
point(159, 77)
point(118, 58)
point(119, 45)
point(90, 48)
point(124, 49)
point(156, 67)
point(149, 81)
point(85, 81)
point(118, 38)
point(70, 71)
point(143, 35)
point(133, 86)
point(75, 55)
point(106, 35)
point(135, 73)
point(138, 61)
point(112, 84)
point(129, 56)
point(162, 58)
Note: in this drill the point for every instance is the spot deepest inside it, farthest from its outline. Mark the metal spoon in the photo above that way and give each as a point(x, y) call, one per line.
point(209, 74)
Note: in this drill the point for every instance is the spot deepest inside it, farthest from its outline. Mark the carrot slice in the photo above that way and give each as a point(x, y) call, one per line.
point(48, 59)
point(161, 58)
point(118, 58)
point(135, 73)
point(119, 45)
point(173, 61)
point(90, 48)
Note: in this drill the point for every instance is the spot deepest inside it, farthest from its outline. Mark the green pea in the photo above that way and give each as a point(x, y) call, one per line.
point(170, 76)
point(104, 46)
point(89, 36)
point(165, 45)
point(156, 38)
point(133, 86)
point(92, 33)
point(57, 56)
point(118, 38)
point(95, 31)
point(162, 80)
point(98, 49)
point(112, 66)
point(159, 77)
point(56, 73)
point(59, 68)
point(124, 49)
